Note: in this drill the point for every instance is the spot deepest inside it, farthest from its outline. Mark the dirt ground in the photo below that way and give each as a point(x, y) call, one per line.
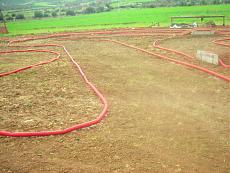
point(162, 117)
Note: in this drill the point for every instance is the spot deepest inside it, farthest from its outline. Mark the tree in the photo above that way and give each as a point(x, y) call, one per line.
point(9, 18)
point(19, 16)
point(1, 17)
point(54, 14)
point(108, 6)
point(100, 9)
point(46, 15)
point(70, 13)
point(38, 14)
point(89, 10)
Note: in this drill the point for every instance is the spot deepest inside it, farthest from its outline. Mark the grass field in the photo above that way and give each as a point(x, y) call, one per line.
point(113, 19)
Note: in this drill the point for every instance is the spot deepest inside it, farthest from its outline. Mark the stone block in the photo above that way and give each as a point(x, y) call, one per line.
point(208, 57)
point(203, 32)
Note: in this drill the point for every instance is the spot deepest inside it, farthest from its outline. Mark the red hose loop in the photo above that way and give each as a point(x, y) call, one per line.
point(135, 32)
point(227, 79)
point(102, 114)
point(157, 42)
point(220, 42)
point(187, 56)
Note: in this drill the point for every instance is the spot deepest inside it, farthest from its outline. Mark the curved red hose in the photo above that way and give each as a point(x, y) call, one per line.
point(157, 42)
point(75, 127)
point(92, 87)
point(30, 66)
point(220, 42)
point(187, 56)
point(175, 61)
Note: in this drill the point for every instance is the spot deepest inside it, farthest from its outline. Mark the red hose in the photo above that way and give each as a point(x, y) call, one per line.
point(220, 42)
point(174, 60)
point(156, 45)
point(189, 57)
point(31, 66)
point(126, 32)
point(75, 127)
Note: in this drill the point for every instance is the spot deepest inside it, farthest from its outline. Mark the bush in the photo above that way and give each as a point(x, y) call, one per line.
point(20, 16)
point(38, 14)
point(89, 10)
point(100, 9)
point(46, 15)
point(54, 14)
point(1, 17)
point(9, 18)
point(47, 11)
point(70, 13)
point(108, 7)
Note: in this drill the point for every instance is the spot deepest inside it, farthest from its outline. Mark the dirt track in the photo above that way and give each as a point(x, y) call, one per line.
point(162, 117)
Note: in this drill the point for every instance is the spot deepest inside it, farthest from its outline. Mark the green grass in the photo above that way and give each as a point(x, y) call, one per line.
point(113, 19)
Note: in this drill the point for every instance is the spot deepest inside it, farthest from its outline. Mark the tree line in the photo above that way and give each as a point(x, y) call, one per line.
point(167, 3)
point(173, 3)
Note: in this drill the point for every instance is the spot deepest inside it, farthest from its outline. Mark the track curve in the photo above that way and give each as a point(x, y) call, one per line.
point(102, 36)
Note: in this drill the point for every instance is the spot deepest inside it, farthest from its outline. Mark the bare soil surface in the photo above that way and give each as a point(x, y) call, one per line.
point(162, 117)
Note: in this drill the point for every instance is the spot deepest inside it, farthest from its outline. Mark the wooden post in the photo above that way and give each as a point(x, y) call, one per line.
point(224, 21)
point(4, 30)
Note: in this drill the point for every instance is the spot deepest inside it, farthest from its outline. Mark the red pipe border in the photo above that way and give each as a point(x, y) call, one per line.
point(220, 42)
point(75, 127)
point(88, 83)
point(30, 66)
point(227, 79)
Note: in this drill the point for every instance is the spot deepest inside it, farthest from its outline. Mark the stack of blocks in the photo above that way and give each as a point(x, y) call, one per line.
point(203, 32)
point(208, 57)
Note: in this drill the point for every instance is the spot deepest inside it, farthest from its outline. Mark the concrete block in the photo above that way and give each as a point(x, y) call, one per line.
point(208, 57)
point(203, 32)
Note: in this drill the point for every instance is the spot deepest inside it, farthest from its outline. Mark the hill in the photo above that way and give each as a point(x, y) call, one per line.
point(28, 4)
point(114, 19)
